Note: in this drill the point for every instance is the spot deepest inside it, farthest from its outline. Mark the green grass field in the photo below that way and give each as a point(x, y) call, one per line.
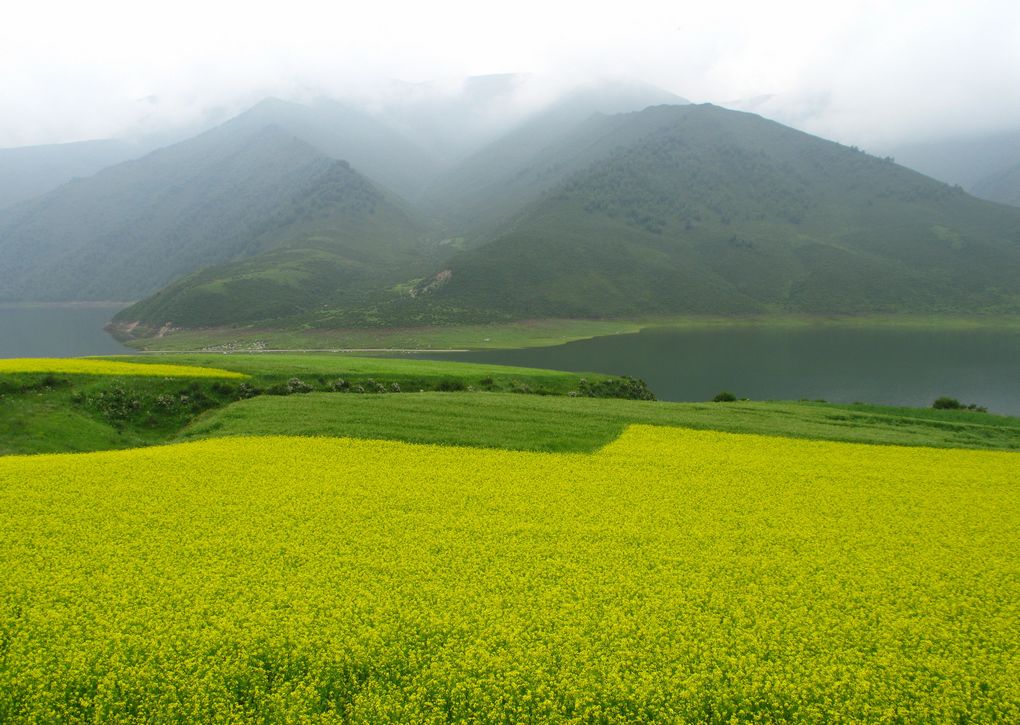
point(50, 412)
point(557, 423)
point(327, 366)
point(438, 402)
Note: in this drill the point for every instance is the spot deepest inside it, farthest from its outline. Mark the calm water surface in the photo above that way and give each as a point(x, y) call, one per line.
point(892, 367)
point(56, 331)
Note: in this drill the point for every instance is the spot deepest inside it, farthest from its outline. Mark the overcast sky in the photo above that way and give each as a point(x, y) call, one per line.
point(865, 72)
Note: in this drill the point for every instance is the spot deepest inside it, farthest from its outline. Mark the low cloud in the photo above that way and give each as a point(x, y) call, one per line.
point(867, 73)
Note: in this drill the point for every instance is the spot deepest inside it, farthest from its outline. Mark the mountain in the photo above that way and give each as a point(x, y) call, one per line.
point(343, 132)
point(1002, 186)
point(30, 171)
point(963, 160)
point(129, 230)
point(135, 226)
point(453, 119)
point(579, 129)
point(456, 122)
point(343, 239)
point(716, 211)
point(687, 209)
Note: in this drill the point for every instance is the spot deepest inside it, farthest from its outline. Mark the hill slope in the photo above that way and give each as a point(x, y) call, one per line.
point(343, 132)
point(518, 167)
point(30, 171)
point(720, 211)
point(131, 229)
point(350, 239)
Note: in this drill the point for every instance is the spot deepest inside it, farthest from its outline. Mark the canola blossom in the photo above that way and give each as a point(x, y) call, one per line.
point(84, 366)
point(674, 576)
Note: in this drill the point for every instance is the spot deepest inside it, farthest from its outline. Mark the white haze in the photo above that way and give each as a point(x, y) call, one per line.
point(864, 72)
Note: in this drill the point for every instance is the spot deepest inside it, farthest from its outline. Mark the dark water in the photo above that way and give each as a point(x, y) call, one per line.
point(56, 332)
point(892, 367)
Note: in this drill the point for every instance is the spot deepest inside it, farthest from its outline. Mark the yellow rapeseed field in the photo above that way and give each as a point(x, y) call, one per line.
point(83, 366)
point(676, 575)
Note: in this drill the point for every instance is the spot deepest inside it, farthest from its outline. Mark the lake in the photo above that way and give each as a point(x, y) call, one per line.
point(52, 331)
point(894, 367)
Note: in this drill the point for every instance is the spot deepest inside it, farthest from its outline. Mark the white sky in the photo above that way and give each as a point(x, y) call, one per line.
point(860, 71)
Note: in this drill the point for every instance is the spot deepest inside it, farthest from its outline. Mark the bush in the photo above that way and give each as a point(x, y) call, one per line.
point(295, 385)
point(451, 385)
point(52, 381)
point(222, 389)
point(946, 403)
point(624, 387)
point(247, 390)
point(724, 397)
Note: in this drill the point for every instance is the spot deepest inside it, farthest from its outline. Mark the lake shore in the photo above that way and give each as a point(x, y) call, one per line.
point(533, 333)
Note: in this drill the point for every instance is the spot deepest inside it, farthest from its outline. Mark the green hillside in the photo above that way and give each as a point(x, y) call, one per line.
point(133, 228)
point(265, 179)
point(515, 169)
point(337, 245)
point(714, 211)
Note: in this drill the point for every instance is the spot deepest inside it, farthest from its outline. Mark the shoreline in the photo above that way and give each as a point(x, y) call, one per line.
point(84, 304)
point(271, 351)
point(532, 333)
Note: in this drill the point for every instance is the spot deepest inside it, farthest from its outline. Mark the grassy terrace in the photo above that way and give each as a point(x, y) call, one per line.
point(554, 423)
point(438, 402)
point(50, 411)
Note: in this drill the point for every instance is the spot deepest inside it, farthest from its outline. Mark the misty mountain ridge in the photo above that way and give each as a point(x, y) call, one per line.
point(27, 172)
point(714, 211)
point(402, 136)
point(980, 163)
point(676, 209)
point(456, 123)
point(491, 185)
point(343, 132)
point(124, 233)
point(1002, 186)
point(609, 200)
point(210, 198)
